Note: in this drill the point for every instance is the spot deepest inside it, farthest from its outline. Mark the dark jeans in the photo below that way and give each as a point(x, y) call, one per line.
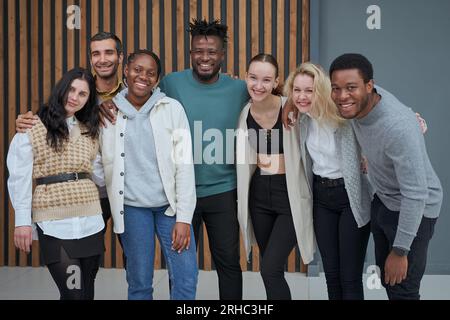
point(219, 212)
point(384, 228)
point(341, 243)
point(273, 225)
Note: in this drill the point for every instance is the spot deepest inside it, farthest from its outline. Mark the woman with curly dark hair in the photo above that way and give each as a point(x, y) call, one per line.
point(59, 154)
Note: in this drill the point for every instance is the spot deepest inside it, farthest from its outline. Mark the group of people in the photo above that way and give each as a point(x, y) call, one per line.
point(322, 159)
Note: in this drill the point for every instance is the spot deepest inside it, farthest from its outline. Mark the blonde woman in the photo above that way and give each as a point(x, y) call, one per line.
point(332, 158)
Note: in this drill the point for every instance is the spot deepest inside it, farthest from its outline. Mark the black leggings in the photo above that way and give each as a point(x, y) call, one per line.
point(341, 243)
point(75, 277)
point(271, 216)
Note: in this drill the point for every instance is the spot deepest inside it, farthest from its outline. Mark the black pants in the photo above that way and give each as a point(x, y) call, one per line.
point(384, 228)
point(271, 216)
point(106, 213)
point(219, 212)
point(341, 243)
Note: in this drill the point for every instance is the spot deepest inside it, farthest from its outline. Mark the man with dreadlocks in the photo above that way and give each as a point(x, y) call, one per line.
point(213, 102)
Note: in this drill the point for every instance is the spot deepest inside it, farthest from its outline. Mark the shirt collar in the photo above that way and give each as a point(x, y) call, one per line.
point(71, 121)
point(106, 95)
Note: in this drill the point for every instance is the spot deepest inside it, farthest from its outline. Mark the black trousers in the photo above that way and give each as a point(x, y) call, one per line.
point(384, 228)
point(341, 243)
point(273, 225)
point(219, 213)
point(106, 213)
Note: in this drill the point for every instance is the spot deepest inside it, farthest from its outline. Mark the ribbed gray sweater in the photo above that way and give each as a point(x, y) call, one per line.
point(399, 167)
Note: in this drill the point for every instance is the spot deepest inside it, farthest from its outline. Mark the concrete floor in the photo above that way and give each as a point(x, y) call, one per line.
point(21, 283)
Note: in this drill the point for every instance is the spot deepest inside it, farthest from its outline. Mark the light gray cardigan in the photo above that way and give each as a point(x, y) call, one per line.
point(299, 193)
point(349, 154)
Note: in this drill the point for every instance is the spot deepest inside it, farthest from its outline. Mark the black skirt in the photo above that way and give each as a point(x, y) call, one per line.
point(75, 248)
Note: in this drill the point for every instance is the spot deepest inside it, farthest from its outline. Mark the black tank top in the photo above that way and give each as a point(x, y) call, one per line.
point(265, 141)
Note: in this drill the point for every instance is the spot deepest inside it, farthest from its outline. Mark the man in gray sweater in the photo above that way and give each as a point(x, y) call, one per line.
point(408, 193)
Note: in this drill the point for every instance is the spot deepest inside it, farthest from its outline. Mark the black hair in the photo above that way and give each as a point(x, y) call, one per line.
point(132, 56)
point(108, 35)
point(265, 57)
point(53, 114)
point(353, 61)
point(200, 27)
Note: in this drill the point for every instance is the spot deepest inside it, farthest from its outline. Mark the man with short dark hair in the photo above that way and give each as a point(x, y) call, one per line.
point(408, 193)
point(106, 54)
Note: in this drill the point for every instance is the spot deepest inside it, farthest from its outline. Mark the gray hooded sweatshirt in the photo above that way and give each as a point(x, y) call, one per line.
point(143, 184)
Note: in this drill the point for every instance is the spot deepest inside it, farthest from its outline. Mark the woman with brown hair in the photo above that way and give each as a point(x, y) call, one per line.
point(274, 201)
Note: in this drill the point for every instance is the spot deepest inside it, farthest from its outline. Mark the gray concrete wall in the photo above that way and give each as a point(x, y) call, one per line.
point(411, 58)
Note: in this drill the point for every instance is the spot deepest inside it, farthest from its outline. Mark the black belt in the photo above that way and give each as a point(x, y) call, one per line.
point(63, 177)
point(329, 182)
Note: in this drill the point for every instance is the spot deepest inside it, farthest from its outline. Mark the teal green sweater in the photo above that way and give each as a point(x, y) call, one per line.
point(212, 110)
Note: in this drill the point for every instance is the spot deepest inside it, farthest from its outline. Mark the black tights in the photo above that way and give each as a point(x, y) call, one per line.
point(75, 277)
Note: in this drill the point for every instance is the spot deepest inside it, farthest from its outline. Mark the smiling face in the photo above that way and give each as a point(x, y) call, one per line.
point(104, 58)
point(303, 92)
point(350, 93)
point(261, 80)
point(77, 96)
point(207, 54)
point(142, 77)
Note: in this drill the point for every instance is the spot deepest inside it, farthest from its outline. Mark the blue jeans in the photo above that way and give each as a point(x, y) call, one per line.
point(138, 242)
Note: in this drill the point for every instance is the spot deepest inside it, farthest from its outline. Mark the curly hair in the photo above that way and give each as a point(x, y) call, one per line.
point(200, 27)
point(53, 114)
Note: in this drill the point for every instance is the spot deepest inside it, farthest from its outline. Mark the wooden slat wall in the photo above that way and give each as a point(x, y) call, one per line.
point(37, 48)
point(3, 141)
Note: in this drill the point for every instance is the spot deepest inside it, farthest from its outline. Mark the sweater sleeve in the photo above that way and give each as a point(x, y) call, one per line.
point(405, 149)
